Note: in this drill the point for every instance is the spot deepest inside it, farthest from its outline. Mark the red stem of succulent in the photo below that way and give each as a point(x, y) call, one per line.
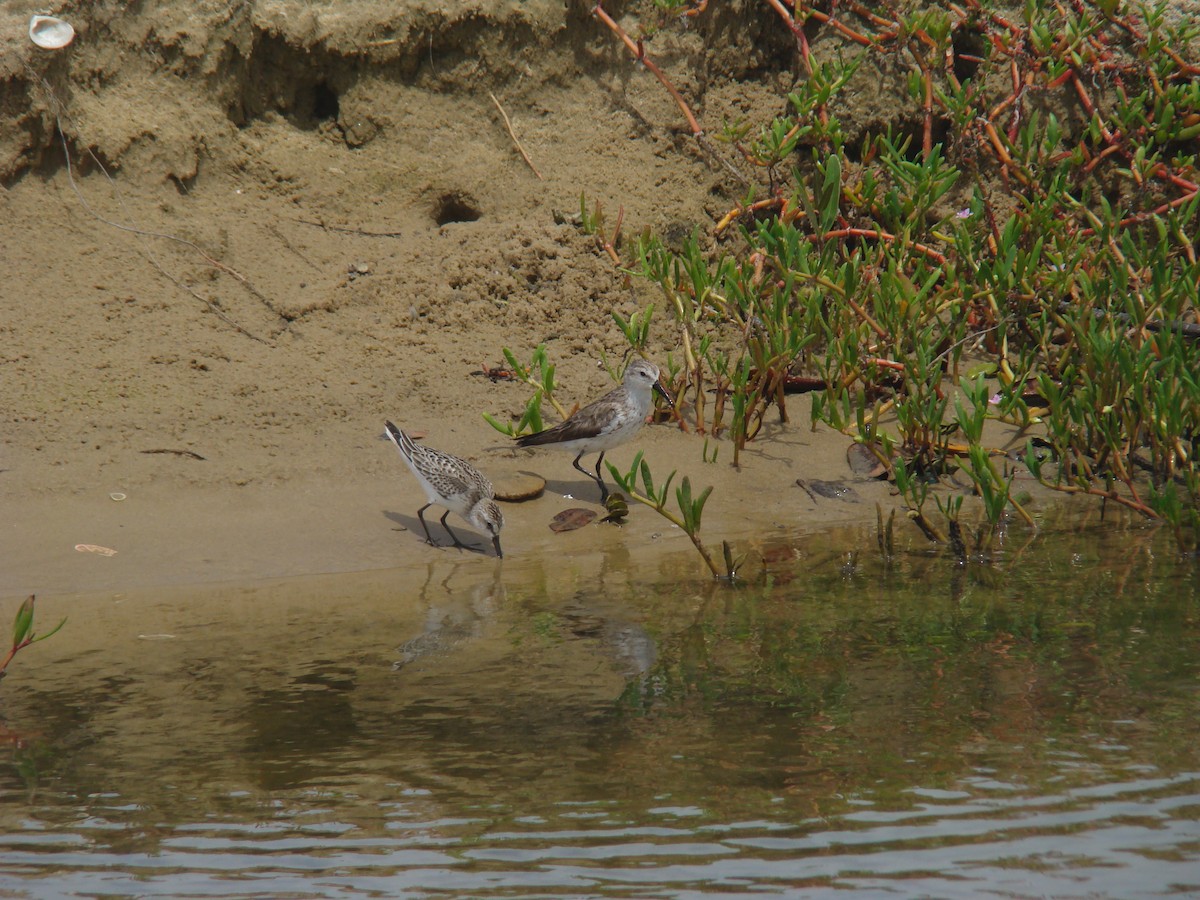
point(639, 53)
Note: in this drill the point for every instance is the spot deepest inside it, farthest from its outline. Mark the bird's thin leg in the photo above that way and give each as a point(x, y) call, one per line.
point(596, 478)
point(579, 467)
point(600, 478)
point(421, 516)
point(454, 537)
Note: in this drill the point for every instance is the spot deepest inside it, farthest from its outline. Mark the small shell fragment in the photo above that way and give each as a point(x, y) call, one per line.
point(50, 33)
point(95, 548)
point(117, 495)
point(864, 462)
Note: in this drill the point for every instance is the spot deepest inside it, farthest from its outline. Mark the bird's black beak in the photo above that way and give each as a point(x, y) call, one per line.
point(496, 544)
point(662, 392)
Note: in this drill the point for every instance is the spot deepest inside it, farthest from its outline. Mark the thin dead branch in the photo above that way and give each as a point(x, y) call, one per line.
point(512, 134)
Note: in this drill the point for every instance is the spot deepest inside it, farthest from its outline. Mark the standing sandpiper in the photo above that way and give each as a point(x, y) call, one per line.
point(609, 421)
point(453, 483)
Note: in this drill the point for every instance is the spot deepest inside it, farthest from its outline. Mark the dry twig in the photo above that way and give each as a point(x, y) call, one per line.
point(511, 134)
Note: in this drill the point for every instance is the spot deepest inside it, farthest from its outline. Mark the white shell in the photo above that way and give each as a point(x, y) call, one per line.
point(50, 33)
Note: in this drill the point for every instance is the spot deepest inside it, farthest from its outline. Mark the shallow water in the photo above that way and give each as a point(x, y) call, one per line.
point(616, 726)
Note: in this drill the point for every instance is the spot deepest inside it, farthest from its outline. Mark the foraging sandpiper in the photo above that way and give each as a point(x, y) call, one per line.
point(453, 483)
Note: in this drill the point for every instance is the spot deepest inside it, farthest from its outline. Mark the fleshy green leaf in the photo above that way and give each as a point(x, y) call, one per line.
point(648, 480)
point(502, 427)
point(54, 630)
point(23, 621)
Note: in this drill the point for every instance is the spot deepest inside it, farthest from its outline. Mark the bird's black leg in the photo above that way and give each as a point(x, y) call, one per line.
point(579, 467)
point(600, 478)
point(454, 537)
point(421, 516)
point(596, 478)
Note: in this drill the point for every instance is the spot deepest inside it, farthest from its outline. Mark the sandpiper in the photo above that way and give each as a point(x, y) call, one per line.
point(453, 483)
point(613, 419)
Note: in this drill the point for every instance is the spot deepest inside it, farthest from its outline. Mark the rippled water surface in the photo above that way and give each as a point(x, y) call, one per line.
point(619, 727)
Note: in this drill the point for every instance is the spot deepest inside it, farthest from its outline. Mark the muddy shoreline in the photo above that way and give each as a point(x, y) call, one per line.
point(283, 225)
